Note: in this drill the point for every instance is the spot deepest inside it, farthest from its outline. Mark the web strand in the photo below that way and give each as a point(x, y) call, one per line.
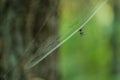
point(31, 63)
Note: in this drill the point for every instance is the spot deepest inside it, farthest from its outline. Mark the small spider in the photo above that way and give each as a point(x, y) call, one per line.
point(81, 32)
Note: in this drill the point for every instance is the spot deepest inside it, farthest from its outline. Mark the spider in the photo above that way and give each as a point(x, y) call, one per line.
point(81, 32)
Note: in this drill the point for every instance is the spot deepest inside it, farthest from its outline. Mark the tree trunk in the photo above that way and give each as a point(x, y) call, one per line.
point(24, 24)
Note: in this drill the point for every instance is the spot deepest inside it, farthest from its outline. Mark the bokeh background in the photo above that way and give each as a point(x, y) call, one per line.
point(31, 30)
point(95, 55)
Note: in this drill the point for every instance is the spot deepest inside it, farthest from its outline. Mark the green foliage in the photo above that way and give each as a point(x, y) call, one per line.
point(89, 56)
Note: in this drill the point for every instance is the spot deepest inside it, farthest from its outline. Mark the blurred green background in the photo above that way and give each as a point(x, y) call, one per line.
point(94, 55)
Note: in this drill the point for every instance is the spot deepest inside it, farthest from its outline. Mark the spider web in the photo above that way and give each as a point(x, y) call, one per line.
point(52, 43)
point(70, 27)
